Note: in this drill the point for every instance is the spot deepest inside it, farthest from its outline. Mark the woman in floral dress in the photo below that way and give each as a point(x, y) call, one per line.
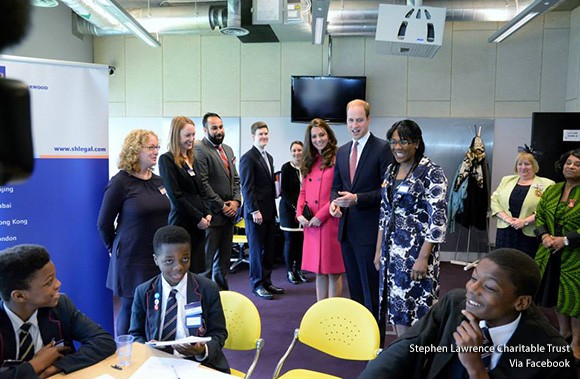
point(412, 224)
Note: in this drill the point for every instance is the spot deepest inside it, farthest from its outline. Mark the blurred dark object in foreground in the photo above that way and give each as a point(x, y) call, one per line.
point(16, 153)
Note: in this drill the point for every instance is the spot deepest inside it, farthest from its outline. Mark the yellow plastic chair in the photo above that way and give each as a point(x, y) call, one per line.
point(336, 326)
point(244, 327)
point(240, 242)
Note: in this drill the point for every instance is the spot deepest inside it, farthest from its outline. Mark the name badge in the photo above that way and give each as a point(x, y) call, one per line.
point(162, 190)
point(403, 188)
point(190, 172)
point(193, 313)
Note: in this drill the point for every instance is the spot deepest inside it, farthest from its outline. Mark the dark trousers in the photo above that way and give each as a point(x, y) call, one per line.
point(218, 251)
point(361, 274)
point(124, 316)
point(262, 249)
point(293, 242)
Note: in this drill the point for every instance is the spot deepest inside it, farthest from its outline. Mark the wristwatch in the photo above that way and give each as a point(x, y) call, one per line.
point(566, 242)
point(526, 223)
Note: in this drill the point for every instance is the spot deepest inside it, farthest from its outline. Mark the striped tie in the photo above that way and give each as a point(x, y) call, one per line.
point(170, 321)
point(224, 158)
point(487, 344)
point(26, 347)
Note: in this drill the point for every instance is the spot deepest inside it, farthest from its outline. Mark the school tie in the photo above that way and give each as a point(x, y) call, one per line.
point(487, 344)
point(352, 163)
point(26, 347)
point(170, 321)
point(224, 158)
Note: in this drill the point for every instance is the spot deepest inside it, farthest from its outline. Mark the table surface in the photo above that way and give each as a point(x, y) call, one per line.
point(139, 355)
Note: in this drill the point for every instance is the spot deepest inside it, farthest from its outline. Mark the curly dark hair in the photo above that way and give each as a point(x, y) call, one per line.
point(18, 264)
point(559, 165)
point(409, 130)
point(311, 153)
point(169, 234)
point(520, 269)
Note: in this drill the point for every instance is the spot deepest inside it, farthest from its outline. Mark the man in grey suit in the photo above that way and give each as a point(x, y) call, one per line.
point(215, 165)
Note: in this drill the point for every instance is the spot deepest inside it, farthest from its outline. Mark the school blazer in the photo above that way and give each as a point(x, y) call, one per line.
point(436, 329)
point(145, 319)
point(64, 322)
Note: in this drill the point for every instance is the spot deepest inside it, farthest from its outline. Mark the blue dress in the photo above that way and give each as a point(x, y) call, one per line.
point(412, 211)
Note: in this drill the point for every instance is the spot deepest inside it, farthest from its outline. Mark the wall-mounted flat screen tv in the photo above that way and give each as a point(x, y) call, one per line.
point(324, 96)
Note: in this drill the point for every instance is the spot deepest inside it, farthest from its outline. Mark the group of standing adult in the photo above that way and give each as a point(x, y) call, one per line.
point(198, 189)
point(376, 213)
point(542, 219)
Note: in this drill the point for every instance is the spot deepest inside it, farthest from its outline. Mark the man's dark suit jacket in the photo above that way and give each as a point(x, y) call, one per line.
point(360, 223)
point(63, 322)
point(145, 319)
point(258, 185)
point(218, 185)
point(436, 328)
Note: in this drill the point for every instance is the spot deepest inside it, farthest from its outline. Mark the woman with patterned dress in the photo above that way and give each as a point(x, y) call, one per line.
point(514, 204)
point(412, 224)
point(558, 227)
point(322, 253)
point(134, 198)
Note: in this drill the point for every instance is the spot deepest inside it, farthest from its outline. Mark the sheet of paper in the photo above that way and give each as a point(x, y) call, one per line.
point(190, 339)
point(104, 376)
point(174, 368)
point(170, 368)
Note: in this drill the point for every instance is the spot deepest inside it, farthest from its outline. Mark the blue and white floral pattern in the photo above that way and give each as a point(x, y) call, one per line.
point(417, 212)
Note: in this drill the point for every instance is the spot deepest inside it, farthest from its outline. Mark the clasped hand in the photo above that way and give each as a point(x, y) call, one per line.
point(314, 221)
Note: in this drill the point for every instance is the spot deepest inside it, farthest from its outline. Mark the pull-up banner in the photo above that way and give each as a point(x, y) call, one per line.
point(58, 205)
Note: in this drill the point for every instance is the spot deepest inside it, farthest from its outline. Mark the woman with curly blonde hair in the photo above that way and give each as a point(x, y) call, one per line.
point(135, 198)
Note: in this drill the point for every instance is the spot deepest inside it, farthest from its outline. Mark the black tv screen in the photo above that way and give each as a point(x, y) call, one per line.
point(324, 96)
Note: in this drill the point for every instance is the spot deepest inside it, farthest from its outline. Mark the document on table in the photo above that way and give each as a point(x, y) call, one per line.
point(186, 340)
point(175, 368)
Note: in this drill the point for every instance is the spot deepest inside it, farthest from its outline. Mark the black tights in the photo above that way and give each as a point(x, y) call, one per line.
point(293, 250)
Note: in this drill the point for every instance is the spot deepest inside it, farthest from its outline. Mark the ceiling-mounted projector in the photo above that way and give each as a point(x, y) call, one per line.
point(413, 31)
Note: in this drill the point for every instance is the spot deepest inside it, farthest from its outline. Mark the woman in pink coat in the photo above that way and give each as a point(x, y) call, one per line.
point(321, 253)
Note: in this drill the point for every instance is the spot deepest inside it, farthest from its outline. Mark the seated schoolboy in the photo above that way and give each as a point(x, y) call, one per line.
point(38, 324)
point(498, 299)
point(178, 303)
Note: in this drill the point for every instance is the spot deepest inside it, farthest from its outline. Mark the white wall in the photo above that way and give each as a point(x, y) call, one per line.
point(468, 77)
point(50, 37)
point(573, 79)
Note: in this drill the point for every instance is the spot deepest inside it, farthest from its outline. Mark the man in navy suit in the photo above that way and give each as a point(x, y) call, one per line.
point(356, 198)
point(259, 194)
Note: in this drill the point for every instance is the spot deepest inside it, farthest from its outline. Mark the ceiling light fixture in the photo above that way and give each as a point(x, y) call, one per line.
point(536, 8)
point(319, 17)
point(120, 14)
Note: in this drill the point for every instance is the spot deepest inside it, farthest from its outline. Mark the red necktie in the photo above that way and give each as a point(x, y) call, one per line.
point(352, 163)
point(224, 158)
